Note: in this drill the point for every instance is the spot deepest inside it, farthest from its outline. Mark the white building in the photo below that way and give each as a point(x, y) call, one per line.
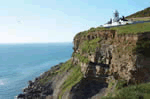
point(116, 21)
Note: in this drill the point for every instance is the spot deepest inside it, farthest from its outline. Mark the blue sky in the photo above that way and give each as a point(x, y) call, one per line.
point(39, 21)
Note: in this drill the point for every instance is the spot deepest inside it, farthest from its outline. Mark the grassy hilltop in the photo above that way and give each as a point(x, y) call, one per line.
point(143, 15)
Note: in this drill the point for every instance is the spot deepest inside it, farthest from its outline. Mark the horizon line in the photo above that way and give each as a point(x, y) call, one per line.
point(34, 42)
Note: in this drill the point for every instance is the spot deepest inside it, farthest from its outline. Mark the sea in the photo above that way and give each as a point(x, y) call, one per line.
point(20, 63)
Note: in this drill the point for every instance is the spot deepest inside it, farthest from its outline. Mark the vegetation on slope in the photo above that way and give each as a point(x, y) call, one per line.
point(47, 78)
point(87, 46)
point(140, 19)
point(84, 33)
point(90, 45)
point(81, 58)
point(141, 91)
point(142, 47)
point(73, 79)
point(143, 13)
point(64, 67)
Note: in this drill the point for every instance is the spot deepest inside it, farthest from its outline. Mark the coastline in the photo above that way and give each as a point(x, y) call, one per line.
point(35, 90)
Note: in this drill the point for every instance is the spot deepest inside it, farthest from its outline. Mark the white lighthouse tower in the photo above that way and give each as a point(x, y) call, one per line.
point(115, 16)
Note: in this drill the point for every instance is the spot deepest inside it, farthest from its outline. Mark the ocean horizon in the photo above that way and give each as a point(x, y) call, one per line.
point(21, 62)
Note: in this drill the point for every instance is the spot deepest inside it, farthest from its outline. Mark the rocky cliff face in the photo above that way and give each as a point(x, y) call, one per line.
point(102, 56)
point(116, 57)
point(123, 56)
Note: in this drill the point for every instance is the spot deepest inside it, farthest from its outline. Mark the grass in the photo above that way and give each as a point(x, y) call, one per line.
point(143, 13)
point(141, 19)
point(47, 78)
point(133, 28)
point(73, 79)
point(119, 84)
point(143, 47)
point(82, 58)
point(132, 92)
point(64, 67)
point(84, 33)
point(126, 29)
point(81, 34)
point(90, 46)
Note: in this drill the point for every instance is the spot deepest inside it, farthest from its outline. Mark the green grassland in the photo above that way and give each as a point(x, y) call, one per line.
point(126, 29)
point(141, 91)
point(140, 19)
point(133, 28)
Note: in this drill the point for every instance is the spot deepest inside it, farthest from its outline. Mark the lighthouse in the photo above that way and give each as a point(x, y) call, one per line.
point(116, 21)
point(115, 16)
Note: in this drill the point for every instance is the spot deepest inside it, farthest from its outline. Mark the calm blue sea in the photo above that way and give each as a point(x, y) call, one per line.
point(20, 63)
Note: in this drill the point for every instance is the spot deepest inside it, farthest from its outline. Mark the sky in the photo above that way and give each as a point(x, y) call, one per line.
point(44, 21)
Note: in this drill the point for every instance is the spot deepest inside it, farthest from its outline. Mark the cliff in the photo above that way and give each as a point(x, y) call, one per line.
point(104, 61)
